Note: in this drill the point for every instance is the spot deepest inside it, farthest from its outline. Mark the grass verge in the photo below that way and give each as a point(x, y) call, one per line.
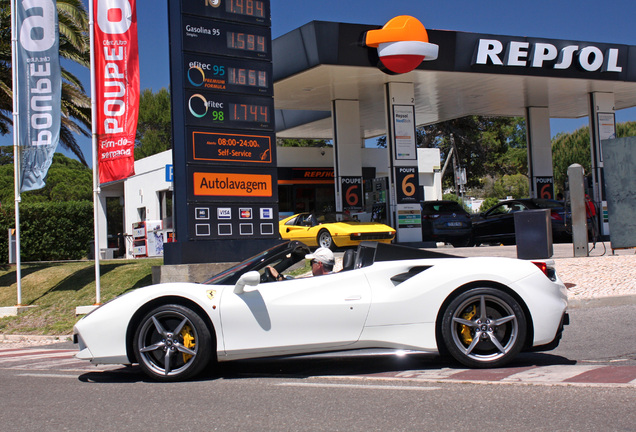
point(56, 289)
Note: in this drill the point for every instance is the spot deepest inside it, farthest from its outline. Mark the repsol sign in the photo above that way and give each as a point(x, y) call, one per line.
point(546, 55)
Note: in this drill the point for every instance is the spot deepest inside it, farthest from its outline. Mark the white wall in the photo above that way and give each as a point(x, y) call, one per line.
point(141, 189)
point(429, 167)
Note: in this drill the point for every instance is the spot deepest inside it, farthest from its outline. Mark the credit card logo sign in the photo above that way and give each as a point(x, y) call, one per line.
point(267, 213)
point(224, 213)
point(245, 213)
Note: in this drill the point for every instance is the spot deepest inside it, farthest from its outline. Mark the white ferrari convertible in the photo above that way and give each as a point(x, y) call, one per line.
point(480, 311)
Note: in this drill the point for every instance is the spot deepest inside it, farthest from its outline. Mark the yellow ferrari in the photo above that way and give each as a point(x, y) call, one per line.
point(332, 230)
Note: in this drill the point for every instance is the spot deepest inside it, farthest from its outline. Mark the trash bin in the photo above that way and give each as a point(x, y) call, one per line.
point(533, 233)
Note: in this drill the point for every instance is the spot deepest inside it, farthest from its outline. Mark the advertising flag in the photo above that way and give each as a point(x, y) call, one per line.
point(116, 70)
point(39, 87)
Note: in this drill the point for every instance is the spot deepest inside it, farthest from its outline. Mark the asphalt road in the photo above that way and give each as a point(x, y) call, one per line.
point(371, 393)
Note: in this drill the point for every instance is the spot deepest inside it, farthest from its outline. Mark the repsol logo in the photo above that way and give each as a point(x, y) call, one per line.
point(546, 55)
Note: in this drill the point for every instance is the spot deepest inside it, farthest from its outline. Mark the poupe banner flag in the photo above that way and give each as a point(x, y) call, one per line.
point(39, 88)
point(116, 70)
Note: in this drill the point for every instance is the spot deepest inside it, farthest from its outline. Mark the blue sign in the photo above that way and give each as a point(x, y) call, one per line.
point(169, 173)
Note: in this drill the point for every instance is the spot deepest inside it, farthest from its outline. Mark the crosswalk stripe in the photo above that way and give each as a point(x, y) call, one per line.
point(27, 352)
point(548, 373)
point(52, 364)
point(40, 356)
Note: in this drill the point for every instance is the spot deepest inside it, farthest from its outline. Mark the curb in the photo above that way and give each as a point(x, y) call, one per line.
point(602, 302)
point(34, 338)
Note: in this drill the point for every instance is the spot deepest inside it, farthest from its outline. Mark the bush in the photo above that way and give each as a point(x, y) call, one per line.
point(488, 203)
point(49, 231)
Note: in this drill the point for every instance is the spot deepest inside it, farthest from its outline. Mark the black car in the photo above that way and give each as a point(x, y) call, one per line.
point(446, 221)
point(497, 224)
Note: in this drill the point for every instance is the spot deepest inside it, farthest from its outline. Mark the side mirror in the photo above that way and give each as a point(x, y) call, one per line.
point(251, 278)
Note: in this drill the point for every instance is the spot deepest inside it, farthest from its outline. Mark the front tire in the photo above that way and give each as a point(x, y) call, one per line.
point(483, 327)
point(172, 343)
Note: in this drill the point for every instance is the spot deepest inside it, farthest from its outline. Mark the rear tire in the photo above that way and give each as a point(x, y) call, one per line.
point(172, 343)
point(483, 328)
point(464, 242)
point(324, 239)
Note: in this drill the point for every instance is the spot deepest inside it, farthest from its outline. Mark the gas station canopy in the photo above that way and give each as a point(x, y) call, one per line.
point(474, 74)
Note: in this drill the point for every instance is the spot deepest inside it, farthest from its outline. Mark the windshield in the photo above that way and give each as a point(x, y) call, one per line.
point(333, 217)
point(543, 203)
point(281, 256)
point(244, 266)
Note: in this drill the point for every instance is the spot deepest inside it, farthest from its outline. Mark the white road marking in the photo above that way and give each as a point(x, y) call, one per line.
point(40, 356)
point(52, 364)
point(359, 386)
point(433, 374)
point(555, 373)
point(47, 375)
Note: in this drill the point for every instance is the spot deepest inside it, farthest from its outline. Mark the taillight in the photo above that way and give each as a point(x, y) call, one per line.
point(542, 266)
point(556, 216)
point(547, 270)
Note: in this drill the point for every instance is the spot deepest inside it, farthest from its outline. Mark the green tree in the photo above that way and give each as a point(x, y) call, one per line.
point(515, 185)
point(626, 129)
point(74, 46)
point(290, 142)
point(488, 203)
point(154, 126)
point(567, 149)
point(571, 148)
point(67, 180)
point(485, 146)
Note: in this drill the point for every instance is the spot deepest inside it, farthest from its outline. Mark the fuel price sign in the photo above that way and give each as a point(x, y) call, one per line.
point(229, 111)
point(246, 11)
point(230, 75)
point(226, 39)
point(225, 176)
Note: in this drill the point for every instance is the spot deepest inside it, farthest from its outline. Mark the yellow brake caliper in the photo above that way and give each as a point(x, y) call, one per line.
point(188, 341)
point(465, 331)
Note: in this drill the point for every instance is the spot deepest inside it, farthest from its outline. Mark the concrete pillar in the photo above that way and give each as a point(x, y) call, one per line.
point(406, 211)
point(347, 154)
point(540, 173)
point(602, 126)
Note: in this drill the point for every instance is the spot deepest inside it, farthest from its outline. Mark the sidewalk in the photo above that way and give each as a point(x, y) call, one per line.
point(604, 278)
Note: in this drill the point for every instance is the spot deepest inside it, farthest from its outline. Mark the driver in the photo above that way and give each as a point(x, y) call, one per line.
point(322, 262)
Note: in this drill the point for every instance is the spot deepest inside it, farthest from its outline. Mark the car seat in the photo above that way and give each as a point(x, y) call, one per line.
point(348, 259)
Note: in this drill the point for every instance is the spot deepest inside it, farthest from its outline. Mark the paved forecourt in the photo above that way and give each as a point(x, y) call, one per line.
point(47, 360)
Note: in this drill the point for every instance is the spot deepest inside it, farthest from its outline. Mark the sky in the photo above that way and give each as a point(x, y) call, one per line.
point(609, 21)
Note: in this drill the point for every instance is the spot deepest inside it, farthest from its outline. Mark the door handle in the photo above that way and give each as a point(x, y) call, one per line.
point(353, 298)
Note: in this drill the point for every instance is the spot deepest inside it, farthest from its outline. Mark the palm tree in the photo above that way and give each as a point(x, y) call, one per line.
point(74, 46)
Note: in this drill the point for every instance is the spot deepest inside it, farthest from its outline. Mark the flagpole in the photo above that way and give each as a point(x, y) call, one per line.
point(96, 189)
point(16, 148)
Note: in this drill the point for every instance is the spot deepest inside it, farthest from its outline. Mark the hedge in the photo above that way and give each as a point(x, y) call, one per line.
point(49, 231)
